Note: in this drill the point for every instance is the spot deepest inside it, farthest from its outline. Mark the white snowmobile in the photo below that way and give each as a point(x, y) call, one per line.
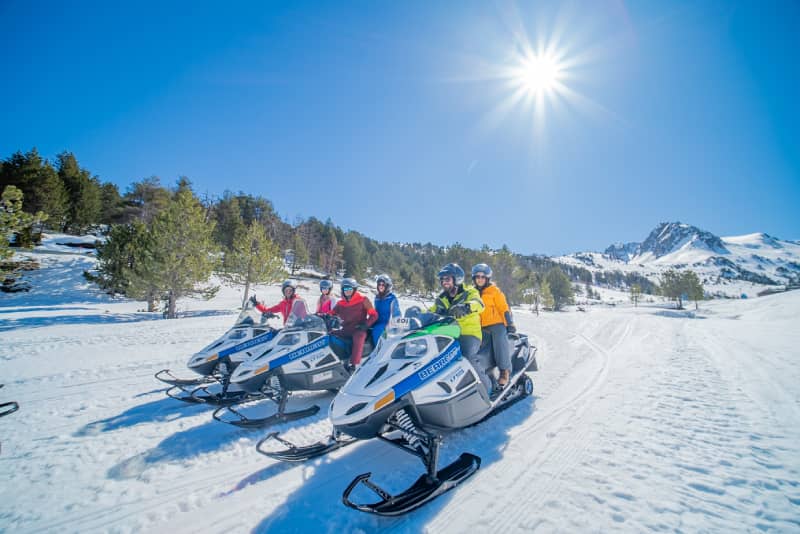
point(215, 363)
point(412, 389)
point(303, 356)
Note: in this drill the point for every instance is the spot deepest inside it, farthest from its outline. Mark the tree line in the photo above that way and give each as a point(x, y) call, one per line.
point(164, 242)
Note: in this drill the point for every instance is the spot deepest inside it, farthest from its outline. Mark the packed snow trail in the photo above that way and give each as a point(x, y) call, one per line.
point(641, 419)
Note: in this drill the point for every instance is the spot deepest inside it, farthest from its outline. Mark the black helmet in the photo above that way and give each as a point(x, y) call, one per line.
point(454, 270)
point(349, 282)
point(289, 283)
point(484, 269)
point(386, 280)
point(325, 284)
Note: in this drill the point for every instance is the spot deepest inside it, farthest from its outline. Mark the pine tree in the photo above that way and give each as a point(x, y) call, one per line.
point(560, 287)
point(692, 287)
point(84, 194)
point(42, 189)
point(672, 286)
point(546, 295)
point(181, 253)
point(354, 255)
point(253, 259)
point(12, 218)
point(299, 253)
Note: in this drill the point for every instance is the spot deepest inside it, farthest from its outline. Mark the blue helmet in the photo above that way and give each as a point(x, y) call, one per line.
point(455, 271)
point(325, 284)
point(483, 269)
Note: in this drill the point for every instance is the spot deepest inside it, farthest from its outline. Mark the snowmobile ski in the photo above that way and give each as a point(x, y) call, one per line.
point(8, 408)
point(247, 422)
point(295, 453)
point(425, 489)
point(166, 376)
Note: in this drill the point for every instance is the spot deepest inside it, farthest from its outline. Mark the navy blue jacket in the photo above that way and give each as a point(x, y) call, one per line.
point(387, 307)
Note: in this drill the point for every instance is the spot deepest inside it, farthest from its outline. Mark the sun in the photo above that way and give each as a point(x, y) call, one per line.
point(539, 74)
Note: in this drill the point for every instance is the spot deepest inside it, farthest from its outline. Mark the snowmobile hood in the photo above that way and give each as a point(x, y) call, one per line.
point(289, 345)
point(235, 343)
point(399, 366)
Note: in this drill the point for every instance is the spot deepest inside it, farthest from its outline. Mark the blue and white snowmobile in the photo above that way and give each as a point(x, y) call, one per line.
point(414, 388)
point(302, 356)
point(215, 363)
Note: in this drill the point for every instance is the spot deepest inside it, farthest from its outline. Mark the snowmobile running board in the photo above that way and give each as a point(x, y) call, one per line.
point(8, 408)
point(300, 454)
point(425, 489)
point(166, 376)
point(280, 417)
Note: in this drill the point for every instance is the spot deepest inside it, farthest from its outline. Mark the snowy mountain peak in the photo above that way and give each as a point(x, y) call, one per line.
point(667, 238)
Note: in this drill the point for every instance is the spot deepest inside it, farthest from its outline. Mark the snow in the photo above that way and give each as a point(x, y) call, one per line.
point(642, 418)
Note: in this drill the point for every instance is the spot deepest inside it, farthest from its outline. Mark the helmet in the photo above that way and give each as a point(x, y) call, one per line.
point(349, 282)
point(386, 280)
point(289, 283)
point(325, 284)
point(454, 270)
point(482, 268)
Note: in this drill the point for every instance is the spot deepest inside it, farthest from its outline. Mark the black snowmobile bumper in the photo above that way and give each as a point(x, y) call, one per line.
point(295, 453)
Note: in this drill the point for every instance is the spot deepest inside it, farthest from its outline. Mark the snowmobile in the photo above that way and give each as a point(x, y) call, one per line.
point(305, 355)
point(215, 363)
point(414, 388)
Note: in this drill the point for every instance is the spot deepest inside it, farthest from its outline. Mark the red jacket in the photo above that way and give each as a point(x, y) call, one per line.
point(284, 306)
point(358, 310)
point(327, 306)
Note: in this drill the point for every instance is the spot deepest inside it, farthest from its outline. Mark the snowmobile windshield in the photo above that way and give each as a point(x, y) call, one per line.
point(307, 322)
point(401, 325)
point(299, 312)
point(249, 316)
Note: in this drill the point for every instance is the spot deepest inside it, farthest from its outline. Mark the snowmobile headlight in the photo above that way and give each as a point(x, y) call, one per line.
point(212, 357)
point(386, 399)
point(262, 369)
point(415, 348)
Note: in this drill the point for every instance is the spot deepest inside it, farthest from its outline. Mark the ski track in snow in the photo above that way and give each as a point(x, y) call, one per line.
point(641, 419)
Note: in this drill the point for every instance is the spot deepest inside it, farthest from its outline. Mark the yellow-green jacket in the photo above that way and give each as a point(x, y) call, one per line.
point(471, 323)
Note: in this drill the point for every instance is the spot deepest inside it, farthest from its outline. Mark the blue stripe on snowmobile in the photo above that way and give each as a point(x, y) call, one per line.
point(438, 365)
point(299, 353)
point(263, 338)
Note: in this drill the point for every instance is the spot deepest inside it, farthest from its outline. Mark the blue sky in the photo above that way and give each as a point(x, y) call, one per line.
point(390, 118)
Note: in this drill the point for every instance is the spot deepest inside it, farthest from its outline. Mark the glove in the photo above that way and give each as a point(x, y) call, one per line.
point(459, 310)
point(511, 329)
point(268, 315)
point(254, 300)
point(362, 326)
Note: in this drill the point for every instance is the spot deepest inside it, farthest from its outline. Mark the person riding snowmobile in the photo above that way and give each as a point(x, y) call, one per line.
point(386, 305)
point(326, 301)
point(291, 303)
point(464, 304)
point(496, 320)
point(357, 315)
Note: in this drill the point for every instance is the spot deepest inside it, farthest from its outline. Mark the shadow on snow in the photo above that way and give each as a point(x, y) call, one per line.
point(165, 409)
point(316, 506)
point(208, 437)
point(100, 318)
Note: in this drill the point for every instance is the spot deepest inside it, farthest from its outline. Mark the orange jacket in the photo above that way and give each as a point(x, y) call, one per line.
point(496, 306)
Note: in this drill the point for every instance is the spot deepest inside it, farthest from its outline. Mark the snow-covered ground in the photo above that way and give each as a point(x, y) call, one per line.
point(642, 419)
